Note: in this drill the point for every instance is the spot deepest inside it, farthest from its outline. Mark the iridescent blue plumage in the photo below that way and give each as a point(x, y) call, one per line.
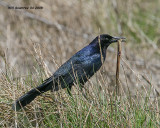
point(80, 67)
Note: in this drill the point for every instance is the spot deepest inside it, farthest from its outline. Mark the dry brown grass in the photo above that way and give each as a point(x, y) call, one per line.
point(36, 42)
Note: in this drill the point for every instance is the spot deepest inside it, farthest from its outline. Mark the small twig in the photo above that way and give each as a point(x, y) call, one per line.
point(118, 67)
point(99, 41)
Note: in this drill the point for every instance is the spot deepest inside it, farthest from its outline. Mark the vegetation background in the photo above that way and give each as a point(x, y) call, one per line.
point(35, 42)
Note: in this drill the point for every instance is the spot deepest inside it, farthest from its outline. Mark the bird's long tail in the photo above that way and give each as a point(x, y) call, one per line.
point(32, 94)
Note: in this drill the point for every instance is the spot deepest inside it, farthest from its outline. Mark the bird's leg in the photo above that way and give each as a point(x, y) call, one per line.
point(81, 86)
point(69, 90)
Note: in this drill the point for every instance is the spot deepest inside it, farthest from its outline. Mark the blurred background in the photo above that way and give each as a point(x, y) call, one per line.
point(35, 42)
point(51, 35)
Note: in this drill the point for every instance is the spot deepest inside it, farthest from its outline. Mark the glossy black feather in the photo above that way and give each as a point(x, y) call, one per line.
point(80, 66)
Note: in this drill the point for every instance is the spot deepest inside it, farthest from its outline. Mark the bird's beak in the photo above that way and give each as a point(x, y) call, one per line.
point(115, 39)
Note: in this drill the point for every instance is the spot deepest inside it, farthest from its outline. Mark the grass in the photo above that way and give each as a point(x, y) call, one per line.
point(31, 49)
point(59, 109)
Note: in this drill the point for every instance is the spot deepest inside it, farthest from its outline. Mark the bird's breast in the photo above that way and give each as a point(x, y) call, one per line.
point(94, 62)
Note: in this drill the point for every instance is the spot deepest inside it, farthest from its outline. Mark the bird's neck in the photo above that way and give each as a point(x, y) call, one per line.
point(100, 49)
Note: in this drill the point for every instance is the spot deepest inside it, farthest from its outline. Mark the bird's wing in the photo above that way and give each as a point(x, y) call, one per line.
point(72, 71)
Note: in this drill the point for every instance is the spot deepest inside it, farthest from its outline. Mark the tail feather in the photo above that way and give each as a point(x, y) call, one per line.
point(32, 94)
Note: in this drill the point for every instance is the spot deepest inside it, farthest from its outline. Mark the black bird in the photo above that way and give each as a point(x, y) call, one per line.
point(80, 66)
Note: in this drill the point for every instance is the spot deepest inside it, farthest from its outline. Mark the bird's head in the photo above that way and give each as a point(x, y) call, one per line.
point(106, 39)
